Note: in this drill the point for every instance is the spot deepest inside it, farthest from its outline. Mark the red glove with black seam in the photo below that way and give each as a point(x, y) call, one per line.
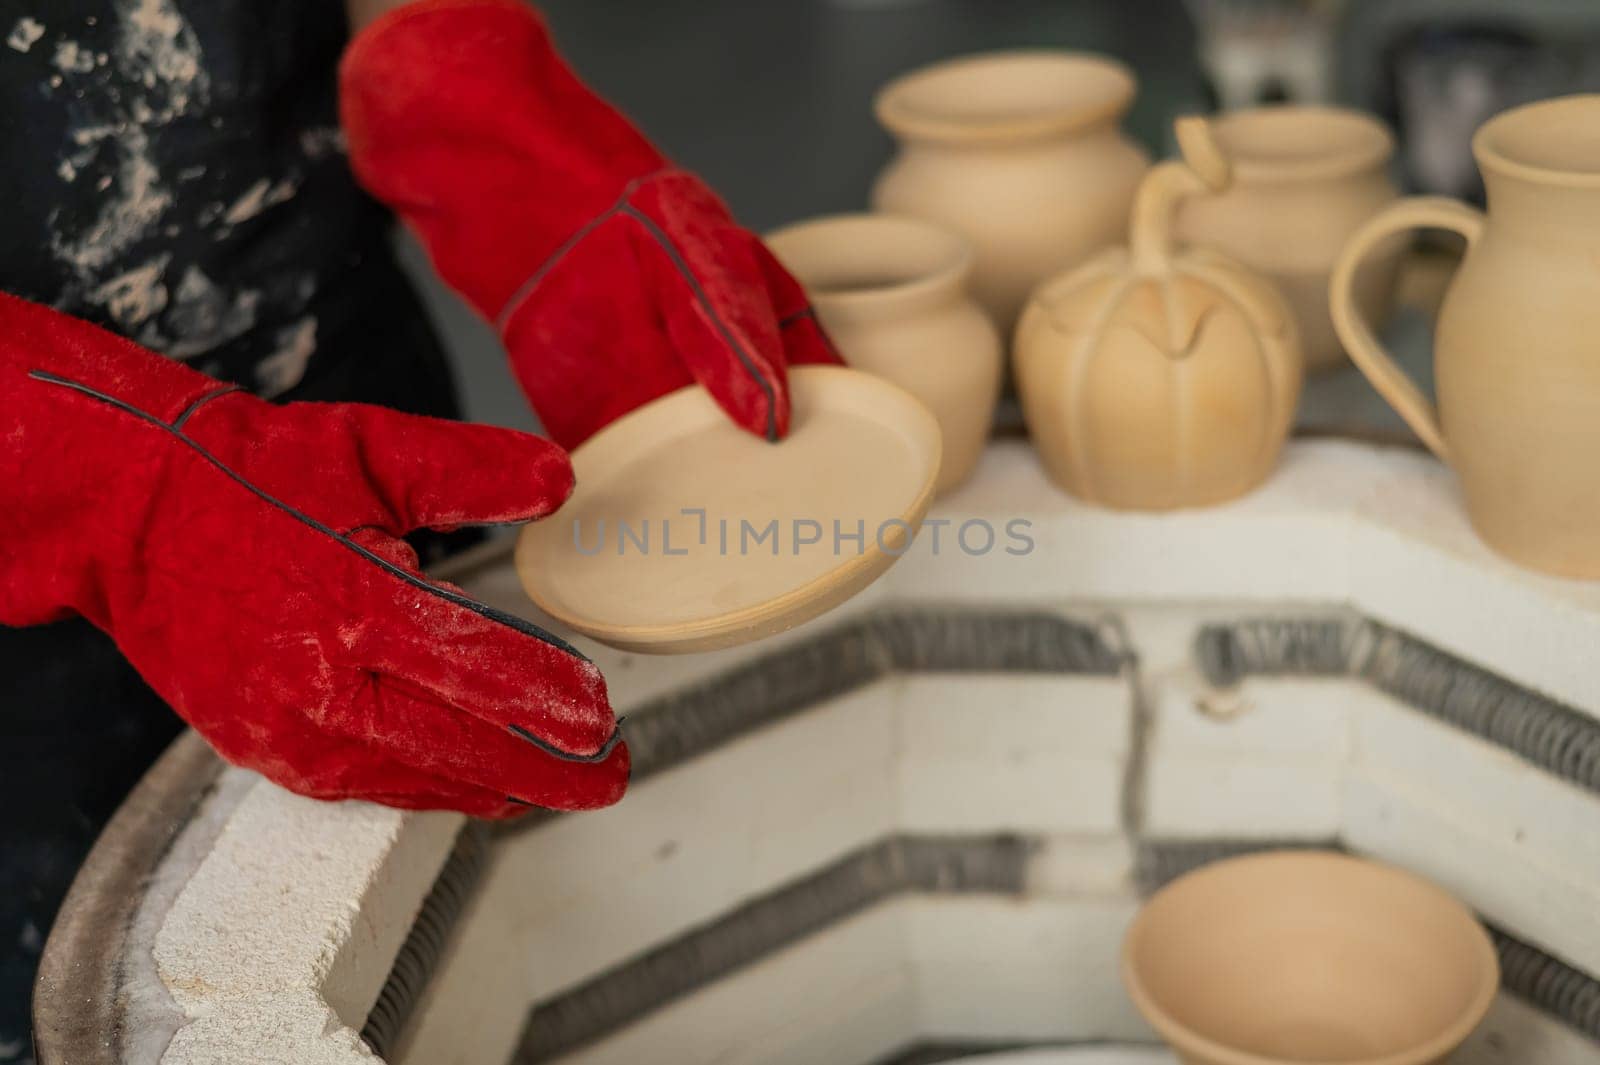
point(246, 559)
point(612, 276)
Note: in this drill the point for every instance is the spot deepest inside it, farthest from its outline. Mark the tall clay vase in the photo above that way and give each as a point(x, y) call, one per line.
point(892, 294)
point(1153, 378)
point(1304, 178)
point(1021, 153)
point(1517, 348)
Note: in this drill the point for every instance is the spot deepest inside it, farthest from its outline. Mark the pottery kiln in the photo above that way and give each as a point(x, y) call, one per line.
point(923, 820)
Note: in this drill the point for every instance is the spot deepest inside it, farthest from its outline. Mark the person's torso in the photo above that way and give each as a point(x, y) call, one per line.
point(174, 171)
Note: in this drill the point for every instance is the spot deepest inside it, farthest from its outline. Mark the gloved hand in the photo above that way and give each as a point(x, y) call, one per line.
point(246, 559)
point(612, 276)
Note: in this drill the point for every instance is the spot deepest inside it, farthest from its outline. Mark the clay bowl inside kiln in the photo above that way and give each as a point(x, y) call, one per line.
point(1302, 956)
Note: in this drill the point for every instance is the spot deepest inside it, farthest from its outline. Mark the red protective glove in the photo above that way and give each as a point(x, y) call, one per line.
point(245, 558)
point(612, 276)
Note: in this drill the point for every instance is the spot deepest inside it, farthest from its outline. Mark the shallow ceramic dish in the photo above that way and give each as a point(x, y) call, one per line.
point(668, 544)
point(1297, 956)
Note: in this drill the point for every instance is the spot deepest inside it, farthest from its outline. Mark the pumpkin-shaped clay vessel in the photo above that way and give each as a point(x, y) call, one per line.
point(1152, 378)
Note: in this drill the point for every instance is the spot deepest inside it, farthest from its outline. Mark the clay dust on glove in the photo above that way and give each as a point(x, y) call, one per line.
point(247, 560)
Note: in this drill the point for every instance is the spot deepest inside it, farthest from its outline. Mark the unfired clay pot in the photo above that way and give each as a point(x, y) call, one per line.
point(1303, 179)
point(1298, 956)
point(892, 294)
point(1021, 153)
point(1518, 341)
point(1152, 378)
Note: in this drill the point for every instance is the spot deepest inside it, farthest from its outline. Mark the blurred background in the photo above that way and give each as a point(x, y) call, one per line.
point(770, 101)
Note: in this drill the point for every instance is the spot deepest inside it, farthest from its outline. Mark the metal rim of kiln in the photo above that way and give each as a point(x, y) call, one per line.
point(77, 1005)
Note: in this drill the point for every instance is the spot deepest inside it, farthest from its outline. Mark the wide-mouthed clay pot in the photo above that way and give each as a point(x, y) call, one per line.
point(1021, 153)
point(1517, 348)
point(1300, 956)
point(1153, 378)
point(891, 292)
point(1304, 178)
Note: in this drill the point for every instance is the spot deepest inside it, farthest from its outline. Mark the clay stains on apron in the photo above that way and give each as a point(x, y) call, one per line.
point(136, 198)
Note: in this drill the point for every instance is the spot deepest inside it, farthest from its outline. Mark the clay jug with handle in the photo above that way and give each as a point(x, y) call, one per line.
point(1303, 179)
point(1517, 348)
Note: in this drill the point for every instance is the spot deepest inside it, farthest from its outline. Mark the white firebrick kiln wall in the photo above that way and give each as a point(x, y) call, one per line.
point(278, 944)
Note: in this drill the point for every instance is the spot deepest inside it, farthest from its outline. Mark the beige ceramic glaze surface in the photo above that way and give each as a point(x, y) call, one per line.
point(892, 293)
point(1305, 956)
point(1021, 153)
point(1304, 178)
point(859, 451)
point(1518, 341)
point(1153, 379)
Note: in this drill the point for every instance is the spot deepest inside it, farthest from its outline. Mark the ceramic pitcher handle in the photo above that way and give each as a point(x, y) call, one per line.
point(1416, 212)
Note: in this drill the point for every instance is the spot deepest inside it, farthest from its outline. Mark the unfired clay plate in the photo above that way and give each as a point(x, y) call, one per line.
point(631, 562)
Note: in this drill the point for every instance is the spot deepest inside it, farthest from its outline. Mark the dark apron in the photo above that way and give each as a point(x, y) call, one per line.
point(174, 172)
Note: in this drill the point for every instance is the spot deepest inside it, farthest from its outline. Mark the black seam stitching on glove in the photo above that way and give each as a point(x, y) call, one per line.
point(590, 759)
point(527, 628)
point(188, 412)
point(808, 311)
point(527, 288)
point(711, 312)
point(622, 206)
point(792, 317)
